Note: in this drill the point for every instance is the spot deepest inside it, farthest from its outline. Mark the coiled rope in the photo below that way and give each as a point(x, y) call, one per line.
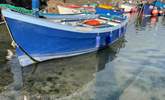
point(17, 9)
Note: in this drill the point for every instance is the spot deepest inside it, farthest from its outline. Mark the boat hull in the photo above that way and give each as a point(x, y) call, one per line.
point(159, 7)
point(37, 43)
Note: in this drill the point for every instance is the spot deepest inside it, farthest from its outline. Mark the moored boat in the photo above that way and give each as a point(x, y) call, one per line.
point(40, 39)
point(154, 8)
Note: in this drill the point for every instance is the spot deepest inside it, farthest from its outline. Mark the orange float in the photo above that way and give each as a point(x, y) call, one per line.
point(92, 22)
point(155, 12)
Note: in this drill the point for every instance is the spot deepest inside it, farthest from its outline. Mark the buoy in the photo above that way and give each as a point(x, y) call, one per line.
point(160, 12)
point(155, 12)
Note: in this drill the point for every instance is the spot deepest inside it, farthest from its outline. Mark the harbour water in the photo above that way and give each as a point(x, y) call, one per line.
point(131, 69)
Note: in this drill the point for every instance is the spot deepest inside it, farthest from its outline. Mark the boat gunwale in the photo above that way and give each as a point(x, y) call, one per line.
point(54, 25)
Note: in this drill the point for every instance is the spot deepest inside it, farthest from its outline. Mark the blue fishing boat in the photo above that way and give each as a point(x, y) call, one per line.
point(40, 39)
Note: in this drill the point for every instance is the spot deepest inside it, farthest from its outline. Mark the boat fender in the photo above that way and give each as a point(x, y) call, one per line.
point(120, 31)
point(110, 36)
point(98, 38)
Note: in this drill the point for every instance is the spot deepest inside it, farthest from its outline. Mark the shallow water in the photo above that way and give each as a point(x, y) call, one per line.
point(131, 69)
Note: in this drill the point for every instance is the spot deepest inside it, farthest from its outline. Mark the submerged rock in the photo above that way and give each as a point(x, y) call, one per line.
point(6, 78)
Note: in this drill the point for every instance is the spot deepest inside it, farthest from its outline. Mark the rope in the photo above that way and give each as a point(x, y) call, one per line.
point(2, 22)
point(18, 9)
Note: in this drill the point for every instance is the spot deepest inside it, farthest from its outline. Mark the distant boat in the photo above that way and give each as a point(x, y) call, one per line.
point(68, 10)
point(155, 8)
point(122, 8)
point(74, 9)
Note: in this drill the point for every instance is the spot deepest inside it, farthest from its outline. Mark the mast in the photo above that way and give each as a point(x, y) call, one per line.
point(35, 7)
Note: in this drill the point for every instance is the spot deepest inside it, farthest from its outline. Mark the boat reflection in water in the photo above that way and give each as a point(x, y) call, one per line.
point(154, 20)
point(142, 22)
point(67, 78)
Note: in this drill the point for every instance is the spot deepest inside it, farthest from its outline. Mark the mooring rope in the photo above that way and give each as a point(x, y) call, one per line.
point(2, 22)
point(18, 9)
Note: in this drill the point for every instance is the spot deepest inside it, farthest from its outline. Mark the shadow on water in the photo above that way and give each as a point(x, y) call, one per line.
point(62, 78)
point(6, 76)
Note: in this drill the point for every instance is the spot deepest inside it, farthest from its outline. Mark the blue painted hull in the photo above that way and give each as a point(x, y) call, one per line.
point(147, 10)
point(37, 43)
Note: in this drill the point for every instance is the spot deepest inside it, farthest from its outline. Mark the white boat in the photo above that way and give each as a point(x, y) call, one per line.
point(67, 10)
point(128, 7)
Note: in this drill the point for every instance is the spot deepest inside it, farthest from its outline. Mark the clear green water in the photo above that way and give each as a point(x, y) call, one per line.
point(131, 69)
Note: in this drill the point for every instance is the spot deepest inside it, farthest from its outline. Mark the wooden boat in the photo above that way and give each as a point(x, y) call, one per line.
point(40, 39)
point(68, 10)
point(73, 9)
